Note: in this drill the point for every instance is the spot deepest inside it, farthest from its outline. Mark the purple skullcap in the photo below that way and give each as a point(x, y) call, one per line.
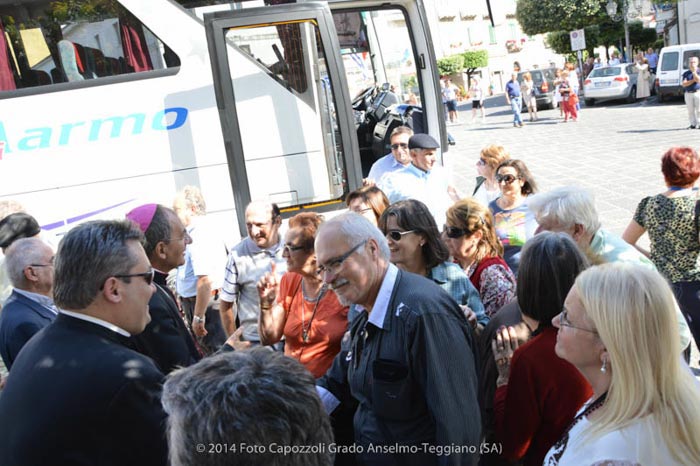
point(143, 215)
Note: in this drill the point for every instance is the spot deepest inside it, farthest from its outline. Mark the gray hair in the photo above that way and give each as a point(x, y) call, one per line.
point(19, 255)
point(258, 398)
point(567, 206)
point(88, 255)
point(194, 199)
point(355, 228)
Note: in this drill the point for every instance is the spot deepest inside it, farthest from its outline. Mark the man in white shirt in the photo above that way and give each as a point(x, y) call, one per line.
point(397, 159)
point(423, 179)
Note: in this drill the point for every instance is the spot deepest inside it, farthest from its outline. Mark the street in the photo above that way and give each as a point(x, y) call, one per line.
point(614, 149)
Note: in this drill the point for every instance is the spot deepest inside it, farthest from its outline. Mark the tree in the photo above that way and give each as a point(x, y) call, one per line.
point(542, 16)
point(560, 41)
point(474, 59)
point(450, 65)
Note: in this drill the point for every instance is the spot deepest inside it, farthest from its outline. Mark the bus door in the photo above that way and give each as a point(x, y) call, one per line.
point(284, 107)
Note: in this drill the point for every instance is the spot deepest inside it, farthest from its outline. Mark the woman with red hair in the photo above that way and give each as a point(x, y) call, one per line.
point(671, 219)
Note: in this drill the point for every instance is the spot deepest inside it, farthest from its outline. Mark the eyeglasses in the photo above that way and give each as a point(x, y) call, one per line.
point(291, 248)
point(507, 179)
point(454, 232)
point(401, 145)
point(396, 235)
point(186, 236)
point(334, 265)
point(50, 264)
point(565, 322)
point(148, 276)
point(481, 162)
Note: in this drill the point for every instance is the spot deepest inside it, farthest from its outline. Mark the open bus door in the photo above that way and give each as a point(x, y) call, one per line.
point(284, 107)
point(284, 76)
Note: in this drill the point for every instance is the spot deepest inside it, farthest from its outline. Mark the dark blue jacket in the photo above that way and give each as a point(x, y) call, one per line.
point(20, 319)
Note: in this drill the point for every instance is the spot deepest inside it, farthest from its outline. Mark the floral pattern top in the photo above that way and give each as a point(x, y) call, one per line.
point(496, 287)
point(673, 234)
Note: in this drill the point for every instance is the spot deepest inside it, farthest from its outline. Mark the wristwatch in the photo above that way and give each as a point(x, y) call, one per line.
point(198, 319)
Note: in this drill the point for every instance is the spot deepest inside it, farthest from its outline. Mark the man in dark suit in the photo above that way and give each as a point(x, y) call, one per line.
point(29, 263)
point(166, 340)
point(77, 394)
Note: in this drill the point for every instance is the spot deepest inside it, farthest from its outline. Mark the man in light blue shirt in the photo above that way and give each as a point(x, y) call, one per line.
point(653, 60)
point(422, 179)
point(397, 159)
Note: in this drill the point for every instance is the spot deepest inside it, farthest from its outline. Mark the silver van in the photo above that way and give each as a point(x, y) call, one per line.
point(673, 62)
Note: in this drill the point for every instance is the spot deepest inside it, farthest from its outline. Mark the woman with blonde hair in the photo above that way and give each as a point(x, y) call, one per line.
point(529, 97)
point(619, 328)
point(471, 239)
point(490, 158)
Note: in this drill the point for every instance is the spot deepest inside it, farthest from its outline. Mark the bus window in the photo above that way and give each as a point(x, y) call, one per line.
point(285, 103)
point(43, 43)
point(376, 48)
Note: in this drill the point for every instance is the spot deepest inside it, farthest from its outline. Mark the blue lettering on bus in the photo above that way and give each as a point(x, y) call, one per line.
point(42, 138)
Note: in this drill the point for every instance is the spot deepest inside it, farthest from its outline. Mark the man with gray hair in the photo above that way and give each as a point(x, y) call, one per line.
point(77, 387)
point(200, 277)
point(571, 210)
point(30, 307)
point(409, 361)
point(254, 404)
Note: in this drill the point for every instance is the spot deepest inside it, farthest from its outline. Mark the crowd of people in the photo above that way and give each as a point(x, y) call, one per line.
point(420, 327)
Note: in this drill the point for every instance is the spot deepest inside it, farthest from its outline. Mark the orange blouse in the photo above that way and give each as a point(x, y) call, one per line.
point(325, 331)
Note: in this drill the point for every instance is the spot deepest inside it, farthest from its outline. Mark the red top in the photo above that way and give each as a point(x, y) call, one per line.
point(326, 331)
point(543, 394)
point(485, 262)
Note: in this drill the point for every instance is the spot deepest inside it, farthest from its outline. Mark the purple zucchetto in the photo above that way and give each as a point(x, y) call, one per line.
point(142, 215)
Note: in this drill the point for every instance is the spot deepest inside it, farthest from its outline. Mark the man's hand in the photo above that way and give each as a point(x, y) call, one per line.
point(198, 326)
point(236, 342)
point(268, 287)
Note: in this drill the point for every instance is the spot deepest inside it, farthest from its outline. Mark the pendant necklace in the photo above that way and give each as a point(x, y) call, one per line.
point(304, 328)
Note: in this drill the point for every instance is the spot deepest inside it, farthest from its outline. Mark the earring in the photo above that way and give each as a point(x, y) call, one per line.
point(604, 367)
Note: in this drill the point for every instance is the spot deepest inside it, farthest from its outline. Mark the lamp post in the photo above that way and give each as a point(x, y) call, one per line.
point(630, 10)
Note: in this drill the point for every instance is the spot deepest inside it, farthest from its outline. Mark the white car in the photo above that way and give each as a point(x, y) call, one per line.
point(612, 82)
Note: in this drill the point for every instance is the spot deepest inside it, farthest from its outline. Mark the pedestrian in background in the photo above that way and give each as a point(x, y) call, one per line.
point(514, 99)
point(477, 94)
point(691, 86)
point(528, 89)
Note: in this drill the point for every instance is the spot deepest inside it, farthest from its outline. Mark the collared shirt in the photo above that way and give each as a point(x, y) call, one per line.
point(428, 187)
point(513, 89)
point(653, 59)
point(384, 166)
point(205, 256)
point(96, 321)
point(451, 278)
point(39, 298)
point(613, 248)
point(410, 367)
point(246, 265)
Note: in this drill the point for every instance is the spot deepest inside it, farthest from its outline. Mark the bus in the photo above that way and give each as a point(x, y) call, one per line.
point(108, 104)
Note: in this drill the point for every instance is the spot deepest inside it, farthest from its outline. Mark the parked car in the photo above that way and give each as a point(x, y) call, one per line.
point(612, 82)
point(673, 62)
point(544, 86)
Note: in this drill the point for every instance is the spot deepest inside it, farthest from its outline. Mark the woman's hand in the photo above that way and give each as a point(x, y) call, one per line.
point(268, 286)
point(235, 341)
point(503, 346)
point(470, 315)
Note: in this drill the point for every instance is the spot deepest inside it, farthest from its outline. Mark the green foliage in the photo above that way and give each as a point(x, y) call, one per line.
point(450, 65)
point(542, 16)
point(640, 36)
point(560, 41)
point(70, 10)
point(474, 59)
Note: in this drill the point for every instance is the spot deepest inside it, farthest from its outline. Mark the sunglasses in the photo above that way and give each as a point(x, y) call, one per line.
point(401, 145)
point(291, 248)
point(507, 179)
point(148, 276)
point(454, 232)
point(481, 162)
point(396, 235)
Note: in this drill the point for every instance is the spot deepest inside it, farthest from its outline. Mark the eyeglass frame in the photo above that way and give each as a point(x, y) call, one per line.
point(401, 145)
point(291, 248)
point(334, 266)
point(565, 322)
point(392, 233)
point(462, 232)
point(50, 264)
point(503, 178)
point(147, 276)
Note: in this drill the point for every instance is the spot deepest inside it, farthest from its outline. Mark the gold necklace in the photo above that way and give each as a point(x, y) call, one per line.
point(304, 328)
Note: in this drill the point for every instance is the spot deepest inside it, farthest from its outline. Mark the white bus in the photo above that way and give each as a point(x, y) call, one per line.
point(106, 104)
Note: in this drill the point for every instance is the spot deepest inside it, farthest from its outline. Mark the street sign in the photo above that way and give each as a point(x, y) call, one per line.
point(578, 40)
